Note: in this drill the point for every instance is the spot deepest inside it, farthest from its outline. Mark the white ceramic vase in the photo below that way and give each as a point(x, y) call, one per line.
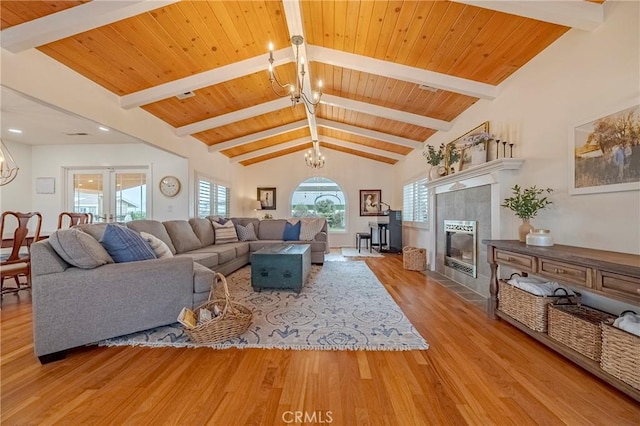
point(436, 172)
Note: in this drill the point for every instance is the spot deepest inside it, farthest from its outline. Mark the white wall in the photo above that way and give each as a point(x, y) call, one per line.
point(35, 74)
point(582, 75)
point(12, 195)
point(51, 160)
point(350, 172)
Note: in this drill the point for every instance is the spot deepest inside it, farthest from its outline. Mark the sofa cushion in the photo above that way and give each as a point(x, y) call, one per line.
point(203, 230)
point(225, 233)
point(182, 235)
point(152, 227)
point(125, 245)
point(225, 252)
point(291, 231)
point(202, 256)
point(246, 233)
point(159, 247)
point(271, 229)
point(310, 227)
point(79, 249)
point(202, 278)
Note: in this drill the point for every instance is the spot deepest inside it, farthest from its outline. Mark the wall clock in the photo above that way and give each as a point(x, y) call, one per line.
point(169, 186)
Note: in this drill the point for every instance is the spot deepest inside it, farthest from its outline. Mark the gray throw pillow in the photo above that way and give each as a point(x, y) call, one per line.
point(79, 249)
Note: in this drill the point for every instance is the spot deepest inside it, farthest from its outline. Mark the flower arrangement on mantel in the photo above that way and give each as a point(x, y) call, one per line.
point(477, 139)
point(526, 203)
point(434, 157)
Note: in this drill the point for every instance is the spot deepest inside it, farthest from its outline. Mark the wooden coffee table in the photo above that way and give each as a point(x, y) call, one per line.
point(281, 266)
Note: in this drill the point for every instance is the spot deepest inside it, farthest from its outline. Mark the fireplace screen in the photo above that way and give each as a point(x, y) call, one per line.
point(461, 252)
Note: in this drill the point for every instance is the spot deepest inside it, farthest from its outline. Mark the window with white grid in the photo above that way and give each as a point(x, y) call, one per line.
point(415, 203)
point(212, 197)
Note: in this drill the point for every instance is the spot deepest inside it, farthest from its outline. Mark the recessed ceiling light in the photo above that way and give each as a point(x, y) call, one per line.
point(104, 129)
point(15, 130)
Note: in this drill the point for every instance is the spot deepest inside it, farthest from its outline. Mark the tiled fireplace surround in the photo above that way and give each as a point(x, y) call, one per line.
point(474, 194)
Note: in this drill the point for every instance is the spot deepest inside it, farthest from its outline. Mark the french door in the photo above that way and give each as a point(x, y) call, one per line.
point(110, 194)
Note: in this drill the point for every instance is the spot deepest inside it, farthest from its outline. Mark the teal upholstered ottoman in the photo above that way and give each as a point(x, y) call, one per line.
point(281, 266)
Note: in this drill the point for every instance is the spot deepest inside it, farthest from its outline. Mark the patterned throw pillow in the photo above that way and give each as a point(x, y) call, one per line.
point(225, 233)
point(291, 232)
point(310, 227)
point(160, 248)
point(246, 233)
point(125, 245)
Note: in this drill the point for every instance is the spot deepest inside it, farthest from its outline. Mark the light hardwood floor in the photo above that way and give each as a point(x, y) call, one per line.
point(476, 371)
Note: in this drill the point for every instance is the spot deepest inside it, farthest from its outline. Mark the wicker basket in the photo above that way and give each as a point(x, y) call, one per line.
point(527, 308)
point(234, 320)
point(620, 354)
point(577, 327)
point(414, 259)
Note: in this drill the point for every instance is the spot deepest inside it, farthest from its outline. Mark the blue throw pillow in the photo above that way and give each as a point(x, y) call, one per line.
point(125, 245)
point(292, 232)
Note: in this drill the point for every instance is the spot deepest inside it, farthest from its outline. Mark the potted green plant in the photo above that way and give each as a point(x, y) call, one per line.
point(526, 203)
point(434, 158)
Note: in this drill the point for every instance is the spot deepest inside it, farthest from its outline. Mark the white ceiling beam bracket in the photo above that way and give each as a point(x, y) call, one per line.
point(74, 20)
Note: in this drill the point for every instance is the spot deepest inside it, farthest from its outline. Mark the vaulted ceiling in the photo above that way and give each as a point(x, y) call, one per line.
point(393, 72)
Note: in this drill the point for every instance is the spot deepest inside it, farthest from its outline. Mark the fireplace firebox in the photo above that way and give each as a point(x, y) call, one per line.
point(461, 246)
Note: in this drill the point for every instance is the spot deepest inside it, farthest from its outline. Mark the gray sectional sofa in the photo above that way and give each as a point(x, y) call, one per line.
point(74, 307)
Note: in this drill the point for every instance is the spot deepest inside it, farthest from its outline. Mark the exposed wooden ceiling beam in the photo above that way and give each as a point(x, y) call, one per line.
point(390, 113)
point(259, 135)
point(74, 20)
point(293, 15)
point(232, 117)
point(270, 150)
point(580, 14)
point(362, 148)
point(402, 72)
point(204, 79)
point(373, 134)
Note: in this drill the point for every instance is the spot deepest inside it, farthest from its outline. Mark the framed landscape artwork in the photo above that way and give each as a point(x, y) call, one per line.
point(267, 198)
point(370, 202)
point(604, 152)
point(466, 154)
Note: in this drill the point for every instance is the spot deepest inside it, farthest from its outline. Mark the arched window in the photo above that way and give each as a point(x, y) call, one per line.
point(320, 197)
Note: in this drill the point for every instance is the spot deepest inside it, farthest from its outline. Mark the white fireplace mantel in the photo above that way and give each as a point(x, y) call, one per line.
point(483, 174)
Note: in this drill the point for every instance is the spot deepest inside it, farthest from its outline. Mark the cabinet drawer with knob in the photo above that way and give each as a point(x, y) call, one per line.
point(618, 286)
point(567, 273)
point(523, 262)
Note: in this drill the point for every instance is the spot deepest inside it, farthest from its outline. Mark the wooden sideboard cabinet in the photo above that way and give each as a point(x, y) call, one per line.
point(610, 274)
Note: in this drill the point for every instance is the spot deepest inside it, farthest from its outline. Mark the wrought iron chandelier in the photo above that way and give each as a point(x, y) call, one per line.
point(313, 158)
point(295, 90)
point(8, 166)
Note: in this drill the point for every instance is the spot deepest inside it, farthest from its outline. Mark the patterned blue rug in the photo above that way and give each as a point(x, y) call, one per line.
point(342, 307)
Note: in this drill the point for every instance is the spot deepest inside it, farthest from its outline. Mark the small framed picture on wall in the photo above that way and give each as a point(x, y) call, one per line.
point(267, 198)
point(370, 202)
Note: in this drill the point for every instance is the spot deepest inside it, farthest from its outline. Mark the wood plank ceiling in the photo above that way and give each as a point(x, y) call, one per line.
point(373, 58)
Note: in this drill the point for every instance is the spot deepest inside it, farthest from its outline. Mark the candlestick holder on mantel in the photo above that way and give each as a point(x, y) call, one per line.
point(504, 148)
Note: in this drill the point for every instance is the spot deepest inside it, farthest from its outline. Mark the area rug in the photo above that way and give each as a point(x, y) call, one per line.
point(343, 306)
point(353, 252)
